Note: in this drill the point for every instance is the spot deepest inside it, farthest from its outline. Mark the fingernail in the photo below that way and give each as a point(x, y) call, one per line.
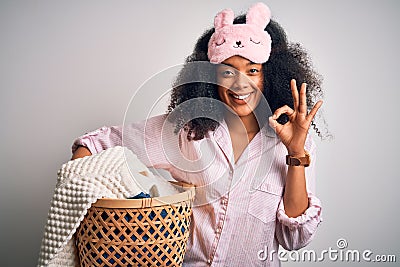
point(272, 123)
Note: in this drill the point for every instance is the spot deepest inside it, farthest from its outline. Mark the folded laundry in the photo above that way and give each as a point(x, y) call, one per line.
point(140, 195)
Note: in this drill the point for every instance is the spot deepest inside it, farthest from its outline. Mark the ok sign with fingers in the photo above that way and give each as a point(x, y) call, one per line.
point(293, 134)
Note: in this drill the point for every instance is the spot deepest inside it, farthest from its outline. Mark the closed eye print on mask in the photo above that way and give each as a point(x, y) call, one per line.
point(220, 43)
point(255, 41)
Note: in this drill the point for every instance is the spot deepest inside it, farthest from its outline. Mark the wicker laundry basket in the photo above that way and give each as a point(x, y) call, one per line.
point(136, 232)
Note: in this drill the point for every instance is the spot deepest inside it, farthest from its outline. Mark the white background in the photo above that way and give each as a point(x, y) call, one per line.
point(68, 67)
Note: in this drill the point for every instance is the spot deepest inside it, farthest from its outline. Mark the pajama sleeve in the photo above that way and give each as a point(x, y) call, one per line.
point(100, 139)
point(147, 139)
point(295, 233)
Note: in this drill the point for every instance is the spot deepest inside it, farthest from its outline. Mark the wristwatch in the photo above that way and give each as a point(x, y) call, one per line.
point(298, 161)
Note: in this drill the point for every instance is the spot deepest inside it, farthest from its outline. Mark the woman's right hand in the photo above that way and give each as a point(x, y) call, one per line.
point(81, 152)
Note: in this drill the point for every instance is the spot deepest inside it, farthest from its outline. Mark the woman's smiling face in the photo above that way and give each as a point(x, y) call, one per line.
point(240, 84)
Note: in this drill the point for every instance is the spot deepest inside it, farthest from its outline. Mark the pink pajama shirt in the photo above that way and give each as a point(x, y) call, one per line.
point(238, 215)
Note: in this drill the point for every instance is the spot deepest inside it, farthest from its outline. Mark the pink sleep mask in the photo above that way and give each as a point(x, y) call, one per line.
point(247, 40)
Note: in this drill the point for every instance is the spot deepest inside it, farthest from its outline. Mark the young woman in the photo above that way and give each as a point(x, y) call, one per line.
point(236, 128)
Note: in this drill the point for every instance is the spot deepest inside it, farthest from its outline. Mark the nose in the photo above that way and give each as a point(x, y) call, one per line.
point(238, 43)
point(241, 82)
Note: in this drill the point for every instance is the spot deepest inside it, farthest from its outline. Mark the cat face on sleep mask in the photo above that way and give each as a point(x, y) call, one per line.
point(247, 40)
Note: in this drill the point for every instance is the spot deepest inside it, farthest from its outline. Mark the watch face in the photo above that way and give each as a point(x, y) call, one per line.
point(295, 162)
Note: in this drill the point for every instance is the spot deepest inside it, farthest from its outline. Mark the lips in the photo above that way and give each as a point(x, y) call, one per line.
point(240, 98)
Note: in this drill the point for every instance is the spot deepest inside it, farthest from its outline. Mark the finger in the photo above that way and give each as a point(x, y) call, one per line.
point(283, 110)
point(303, 99)
point(275, 125)
point(295, 93)
point(314, 110)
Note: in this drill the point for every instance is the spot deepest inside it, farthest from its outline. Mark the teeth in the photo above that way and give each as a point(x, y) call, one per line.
point(241, 97)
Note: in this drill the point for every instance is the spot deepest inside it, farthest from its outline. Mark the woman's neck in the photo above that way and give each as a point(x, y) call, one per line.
point(244, 124)
point(242, 130)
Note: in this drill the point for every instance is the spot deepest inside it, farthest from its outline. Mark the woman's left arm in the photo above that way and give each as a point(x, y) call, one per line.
point(295, 232)
point(299, 212)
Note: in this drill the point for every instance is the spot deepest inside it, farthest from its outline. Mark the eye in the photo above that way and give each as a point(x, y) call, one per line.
point(227, 73)
point(255, 41)
point(254, 71)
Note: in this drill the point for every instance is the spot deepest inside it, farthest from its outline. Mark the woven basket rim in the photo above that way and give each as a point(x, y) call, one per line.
point(187, 195)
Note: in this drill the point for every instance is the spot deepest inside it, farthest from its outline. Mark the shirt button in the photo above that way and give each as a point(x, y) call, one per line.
point(218, 230)
point(209, 261)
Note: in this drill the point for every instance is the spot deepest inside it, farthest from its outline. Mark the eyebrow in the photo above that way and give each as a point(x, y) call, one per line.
point(248, 64)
